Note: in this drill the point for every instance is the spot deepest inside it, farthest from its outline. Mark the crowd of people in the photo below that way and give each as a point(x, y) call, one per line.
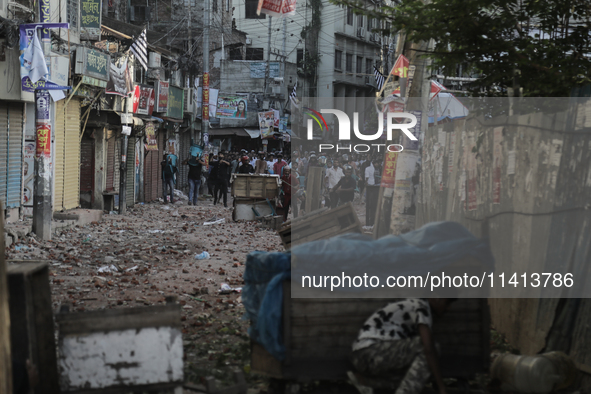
point(344, 174)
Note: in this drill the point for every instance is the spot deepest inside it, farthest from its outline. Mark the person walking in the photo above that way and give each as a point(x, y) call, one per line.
point(195, 167)
point(289, 183)
point(212, 178)
point(168, 171)
point(221, 188)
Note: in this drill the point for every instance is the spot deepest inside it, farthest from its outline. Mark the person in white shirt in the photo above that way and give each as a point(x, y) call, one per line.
point(370, 172)
point(334, 174)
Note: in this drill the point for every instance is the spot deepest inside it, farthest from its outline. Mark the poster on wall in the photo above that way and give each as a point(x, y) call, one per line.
point(266, 123)
point(161, 96)
point(120, 80)
point(151, 141)
point(389, 173)
point(231, 107)
point(143, 100)
point(29, 173)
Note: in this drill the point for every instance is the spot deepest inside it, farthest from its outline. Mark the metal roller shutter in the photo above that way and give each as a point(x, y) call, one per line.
point(3, 151)
point(161, 149)
point(111, 141)
point(148, 177)
point(130, 181)
point(72, 156)
point(87, 166)
point(67, 155)
point(15, 155)
point(117, 166)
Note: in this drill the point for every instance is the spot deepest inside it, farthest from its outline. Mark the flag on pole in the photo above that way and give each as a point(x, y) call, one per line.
point(380, 79)
point(140, 49)
point(293, 93)
point(293, 96)
point(34, 59)
point(400, 68)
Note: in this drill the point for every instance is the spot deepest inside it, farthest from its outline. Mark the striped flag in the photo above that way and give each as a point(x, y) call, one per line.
point(380, 79)
point(140, 50)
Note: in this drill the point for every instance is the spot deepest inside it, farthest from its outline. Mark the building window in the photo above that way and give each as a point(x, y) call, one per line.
point(368, 67)
point(214, 5)
point(350, 16)
point(349, 63)
point(369, 23)
point(299, 57)
point(72, 10)
point(338, 58)
point(254, 54)
point(251, 10)
point(359, 65)
point(236, 53)
point(359, 20)
point(227, 5)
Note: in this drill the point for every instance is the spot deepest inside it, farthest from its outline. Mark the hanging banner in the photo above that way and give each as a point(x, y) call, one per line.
point(43, 140)
point(231, 107)
point(277, 8)
point(143, 100)
point(120, 79)
point(161, 95)
point(266, 122)
point(90, 20)
point(205, 101)
point(389, 172)
point(151, 141)
point(44, 16)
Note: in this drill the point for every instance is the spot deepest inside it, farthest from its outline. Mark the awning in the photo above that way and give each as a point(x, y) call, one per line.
point(254, 133)
point(229, 131)
point(174, 120)
point(137, 121)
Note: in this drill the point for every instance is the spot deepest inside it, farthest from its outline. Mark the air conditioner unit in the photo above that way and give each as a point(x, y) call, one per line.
point(248, 41)
point(189, 107)
point(155, 60)
point(374, 37)
point(361, 32)
point(276, 89)
point(139, 13)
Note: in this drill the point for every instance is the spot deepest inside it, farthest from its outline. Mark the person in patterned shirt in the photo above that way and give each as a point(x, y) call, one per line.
point(398, 337)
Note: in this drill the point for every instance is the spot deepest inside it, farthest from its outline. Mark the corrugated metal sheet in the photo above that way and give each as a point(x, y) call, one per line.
point(151, 173)
point(117, 167)
point(15, 155)
point(3, 150)
point(130, 185)
point(111, 142)
point(86, 165)
point(59, 160)
point(161, 149)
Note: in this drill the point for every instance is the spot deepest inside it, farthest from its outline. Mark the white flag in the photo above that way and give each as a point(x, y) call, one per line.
point(34, 60)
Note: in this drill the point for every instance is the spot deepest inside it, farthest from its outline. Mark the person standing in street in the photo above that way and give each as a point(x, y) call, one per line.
point(195, 167)
point(168, 171)
point(279, 164)
point(246, 167)
point(212, 177)
point(344, 191)
point(221, 189)
point(288, 183)
point(260, 166)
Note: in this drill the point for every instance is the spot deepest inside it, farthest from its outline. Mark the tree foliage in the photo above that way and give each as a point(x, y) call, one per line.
point(543, 46)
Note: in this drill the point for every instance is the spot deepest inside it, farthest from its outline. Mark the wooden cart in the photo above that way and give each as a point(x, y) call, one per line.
point(318, 334)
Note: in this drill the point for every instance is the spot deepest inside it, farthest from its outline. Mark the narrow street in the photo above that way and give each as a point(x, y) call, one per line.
point(148, 255)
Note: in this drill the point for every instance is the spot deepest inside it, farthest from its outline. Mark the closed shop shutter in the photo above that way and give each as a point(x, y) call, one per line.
point(111, 141)
point(67, 155)
point(148, 176)
point(161, 149)
point(3, 151)
point(86, 165)
point(15, 155)
point(117, 167)
point(130, 181)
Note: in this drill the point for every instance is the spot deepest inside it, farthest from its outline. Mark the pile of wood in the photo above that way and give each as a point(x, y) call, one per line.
point(320, 224)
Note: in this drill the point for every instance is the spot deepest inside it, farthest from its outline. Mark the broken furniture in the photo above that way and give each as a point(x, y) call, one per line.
point(321, 224)
point(254, 195)
point(31, 320)
point(121, 350)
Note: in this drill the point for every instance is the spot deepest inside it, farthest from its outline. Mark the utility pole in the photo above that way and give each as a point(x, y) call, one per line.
point(42, 199)
point(268, 68)
point(123, 166)
point(205, 87)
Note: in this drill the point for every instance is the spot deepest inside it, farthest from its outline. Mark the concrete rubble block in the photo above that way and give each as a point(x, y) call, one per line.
point(81, 216)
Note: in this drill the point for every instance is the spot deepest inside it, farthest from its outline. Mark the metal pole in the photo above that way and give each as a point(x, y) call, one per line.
point(205, 87)
point(42, 212)
point(123, 177)
point(268, 68)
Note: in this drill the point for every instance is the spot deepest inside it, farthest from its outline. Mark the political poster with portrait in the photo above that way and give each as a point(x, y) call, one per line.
point(120, 79)
point(231, 107)
point(266, 124)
